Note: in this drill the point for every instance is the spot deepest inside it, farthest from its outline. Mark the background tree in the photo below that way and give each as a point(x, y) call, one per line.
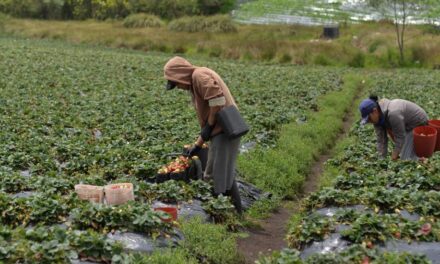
point(399, 11)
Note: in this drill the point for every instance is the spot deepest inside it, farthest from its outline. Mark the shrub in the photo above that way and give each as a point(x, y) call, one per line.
point(285, 58)
point(142, 20)
point(2, 18)
point(210, 7)
point(358, 61)
point(165, 8)
point(211, 24)
point(373, 47)
point(323, 60)
point(431, 29)
point(421, 54)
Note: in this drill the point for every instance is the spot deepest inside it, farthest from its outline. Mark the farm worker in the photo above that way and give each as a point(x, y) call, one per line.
point(209, 94)
point(396, 118)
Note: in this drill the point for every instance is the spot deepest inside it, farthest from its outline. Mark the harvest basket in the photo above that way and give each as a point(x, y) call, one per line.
point(90, 193)
point(118, 193)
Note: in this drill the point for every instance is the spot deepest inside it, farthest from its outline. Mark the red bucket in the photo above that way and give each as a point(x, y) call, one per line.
point(172, 211)
point(425, 138)
point(436, 124)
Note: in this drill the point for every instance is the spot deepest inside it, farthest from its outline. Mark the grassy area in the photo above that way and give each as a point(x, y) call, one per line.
point(210, 243)
point(331, 170)
point(361, 45)
point(283, 169)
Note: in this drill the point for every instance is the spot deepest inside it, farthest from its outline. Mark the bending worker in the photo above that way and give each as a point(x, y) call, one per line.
point(397, 118)
point(209, 94)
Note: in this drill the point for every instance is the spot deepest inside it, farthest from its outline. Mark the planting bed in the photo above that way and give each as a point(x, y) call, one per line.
point(71, 114)
point(375, 211)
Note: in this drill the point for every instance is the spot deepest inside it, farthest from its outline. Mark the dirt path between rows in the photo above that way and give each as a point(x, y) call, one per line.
point(270, 236)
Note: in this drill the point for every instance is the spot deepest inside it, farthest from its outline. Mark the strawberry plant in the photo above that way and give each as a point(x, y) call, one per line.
point(95, 247)
point(56, 245)
point(170, 191)
point(220, 208)
point(37, 209)
point(13, 183)
point(132, 216)
point(313, 228)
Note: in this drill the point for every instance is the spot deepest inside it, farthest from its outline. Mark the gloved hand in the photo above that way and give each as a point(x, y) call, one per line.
point(206, 131)
point(193, 151)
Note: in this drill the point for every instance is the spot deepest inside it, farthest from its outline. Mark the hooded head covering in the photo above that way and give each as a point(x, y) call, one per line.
point(179, 70)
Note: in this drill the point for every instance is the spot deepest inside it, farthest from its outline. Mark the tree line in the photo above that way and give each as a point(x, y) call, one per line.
point(112, 9)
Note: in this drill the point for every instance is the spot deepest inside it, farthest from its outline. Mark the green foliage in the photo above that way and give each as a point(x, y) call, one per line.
point(323, 60)
point(175, 256)
point(220, 208)
point(112, 9)
point(358, 61)
point(95, 246)
point(142, 20)
point(55, 245)
point(286, 256)
point(211, 24)
point(47, 9)
point(169, 191)
point(313, 228)
point(281, 170)
point(263, 208)
point(37, 209)
point(130, 216)
point(209, 243)
point(168, 9)
point(211, 7)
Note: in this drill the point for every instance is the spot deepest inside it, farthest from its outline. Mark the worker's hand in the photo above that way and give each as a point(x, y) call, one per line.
point(193, 151)
point(206, 131)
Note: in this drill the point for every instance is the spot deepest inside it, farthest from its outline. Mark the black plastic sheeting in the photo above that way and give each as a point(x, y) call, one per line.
point(409, 216)
point(26, 173)
point(189, 211)
point(335, 243)
point(246, 147)
point(23, 194)
point(146, 244)
point(250, 194)
point(76, 261)
point(331, 211)
point(430, 249)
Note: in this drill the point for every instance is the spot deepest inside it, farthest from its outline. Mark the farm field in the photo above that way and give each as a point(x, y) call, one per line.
point(371, 210)
point(78, 114)
point(74, 114)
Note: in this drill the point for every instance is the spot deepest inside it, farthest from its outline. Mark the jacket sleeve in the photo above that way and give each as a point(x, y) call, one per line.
point(382, 141)
point(210, 89)
point(398, 126)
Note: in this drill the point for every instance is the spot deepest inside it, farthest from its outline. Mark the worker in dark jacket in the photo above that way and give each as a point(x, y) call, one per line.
point(209, 95)
point(396, 118)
